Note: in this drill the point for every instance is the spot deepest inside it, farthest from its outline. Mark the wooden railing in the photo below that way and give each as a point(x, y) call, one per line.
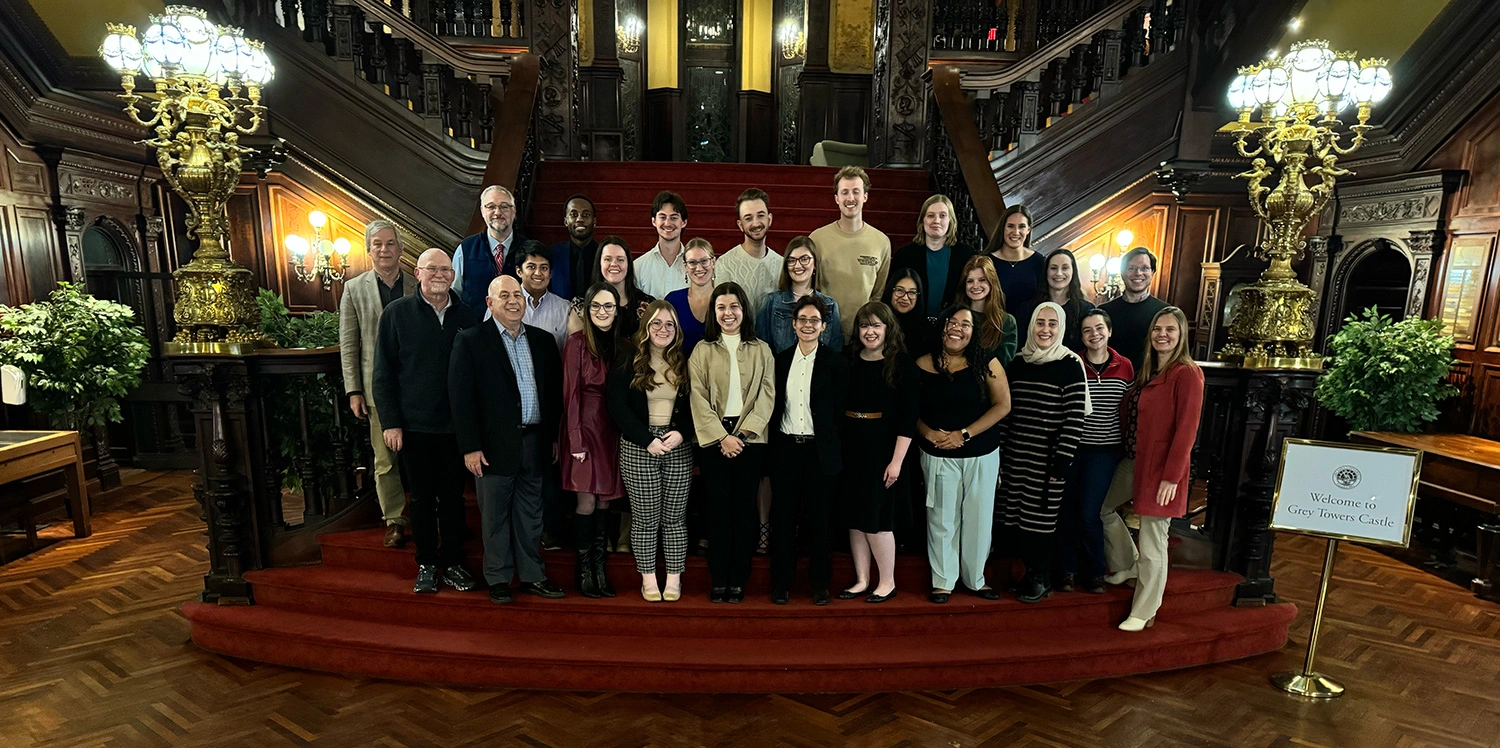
point(1004, 26)
point(1011, 107)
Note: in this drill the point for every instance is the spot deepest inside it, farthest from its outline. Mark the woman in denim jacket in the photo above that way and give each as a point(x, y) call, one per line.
point(799, 277)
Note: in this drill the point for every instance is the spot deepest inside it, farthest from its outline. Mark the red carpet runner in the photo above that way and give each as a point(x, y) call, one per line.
point(356, 614)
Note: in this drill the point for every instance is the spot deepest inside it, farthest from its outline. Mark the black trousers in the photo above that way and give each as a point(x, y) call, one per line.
point(435, 481)
point(733, 522)
point(799, 510)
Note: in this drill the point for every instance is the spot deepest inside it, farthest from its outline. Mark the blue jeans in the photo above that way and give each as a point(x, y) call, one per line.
point(1081, 531)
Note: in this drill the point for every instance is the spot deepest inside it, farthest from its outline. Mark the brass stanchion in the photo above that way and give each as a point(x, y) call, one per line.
point(1310, 683)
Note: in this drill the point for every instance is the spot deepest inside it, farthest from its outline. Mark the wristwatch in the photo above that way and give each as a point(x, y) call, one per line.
point(965, 432)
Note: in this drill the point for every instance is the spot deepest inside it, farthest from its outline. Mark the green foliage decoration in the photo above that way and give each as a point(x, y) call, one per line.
point(81, 355)
point(1386, 375)
point(322, 394)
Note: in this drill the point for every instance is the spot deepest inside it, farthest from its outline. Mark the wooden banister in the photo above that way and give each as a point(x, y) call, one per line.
point(970, 152)
point(1084, 33)
point(513, 110)
point(434, 49)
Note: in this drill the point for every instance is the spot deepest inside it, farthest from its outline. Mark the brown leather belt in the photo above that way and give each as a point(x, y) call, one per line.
point(862, 416)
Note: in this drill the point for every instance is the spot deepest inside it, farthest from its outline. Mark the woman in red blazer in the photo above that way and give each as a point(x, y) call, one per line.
point(1160, 416)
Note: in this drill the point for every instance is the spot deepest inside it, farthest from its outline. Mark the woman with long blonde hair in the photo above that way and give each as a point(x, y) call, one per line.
point(648, 399)
point(1160, 420)
point(994, 328)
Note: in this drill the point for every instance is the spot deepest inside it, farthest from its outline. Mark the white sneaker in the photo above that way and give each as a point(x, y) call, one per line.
point(1137, 624)
point(1121, 577)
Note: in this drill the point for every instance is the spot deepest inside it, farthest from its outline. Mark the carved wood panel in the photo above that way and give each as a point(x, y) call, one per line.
point(899, 99)
point(555, 42)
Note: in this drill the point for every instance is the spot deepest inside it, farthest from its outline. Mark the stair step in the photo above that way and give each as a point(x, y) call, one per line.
point(585, 656)
point(683, 172)
point(356, 594)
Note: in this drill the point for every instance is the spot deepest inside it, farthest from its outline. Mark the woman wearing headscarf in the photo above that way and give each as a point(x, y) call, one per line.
point(1049, 399)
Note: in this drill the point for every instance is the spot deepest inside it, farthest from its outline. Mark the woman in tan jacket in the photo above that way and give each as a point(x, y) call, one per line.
point(733, 390)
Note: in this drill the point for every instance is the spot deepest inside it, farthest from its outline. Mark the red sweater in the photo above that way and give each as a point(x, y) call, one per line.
point(1166, 427)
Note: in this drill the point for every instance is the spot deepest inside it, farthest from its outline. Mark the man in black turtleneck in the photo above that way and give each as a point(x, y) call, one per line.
point(1132, 312)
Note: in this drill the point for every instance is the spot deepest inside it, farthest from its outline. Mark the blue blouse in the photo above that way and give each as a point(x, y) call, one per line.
point(692, 329)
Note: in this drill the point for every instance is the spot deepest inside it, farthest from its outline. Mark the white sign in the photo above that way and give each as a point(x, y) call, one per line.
point(1364, 494)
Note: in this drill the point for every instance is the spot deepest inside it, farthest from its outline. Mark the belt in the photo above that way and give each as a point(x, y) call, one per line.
point(729, 423)
point(529, 428)
point(862, 416)
point(799, 438)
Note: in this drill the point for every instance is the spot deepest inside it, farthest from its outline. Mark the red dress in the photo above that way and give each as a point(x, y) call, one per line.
point(586, 425)
point(1165, 429)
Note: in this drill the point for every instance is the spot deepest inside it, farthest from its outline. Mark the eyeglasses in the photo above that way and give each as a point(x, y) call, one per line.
point(501, 206)
point(805, 321)
point(604, 308)
point(662, 325)
point(438, 271)
point(954, 324)
point(700, 263)
point(903, 293)
point(802, 261)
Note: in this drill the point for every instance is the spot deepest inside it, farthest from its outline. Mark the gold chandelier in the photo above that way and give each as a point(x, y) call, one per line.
point(207, 80)
point(1299, 97)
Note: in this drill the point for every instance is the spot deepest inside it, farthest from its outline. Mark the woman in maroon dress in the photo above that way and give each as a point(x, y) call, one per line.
point(588, 442)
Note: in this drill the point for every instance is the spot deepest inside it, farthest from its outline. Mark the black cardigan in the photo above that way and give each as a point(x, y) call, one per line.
point(914, 257)
point(627, 406)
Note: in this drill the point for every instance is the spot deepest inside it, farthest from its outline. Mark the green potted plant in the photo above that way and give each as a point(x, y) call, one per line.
point(1387, 375)
point(80, 355)
point(314, 330)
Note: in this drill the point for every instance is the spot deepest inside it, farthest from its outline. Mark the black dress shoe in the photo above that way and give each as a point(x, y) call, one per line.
point(500, 594)
point(876, 598)
point(820, 597)
point(988, 593)
point(1066, 583)
point(459, 579)
point(850, 594)
point(780, 597)
point(1034, 591)
point(1094, 586)
point(718, 594)
point(543, 588)
point(735, 595)
point(938, 597)
point(427, 580)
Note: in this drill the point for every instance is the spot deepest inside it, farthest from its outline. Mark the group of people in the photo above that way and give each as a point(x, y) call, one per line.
point(834, 386)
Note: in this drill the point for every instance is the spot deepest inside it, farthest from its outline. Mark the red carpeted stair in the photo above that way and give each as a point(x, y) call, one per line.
point(801, 199)
point(357, 614)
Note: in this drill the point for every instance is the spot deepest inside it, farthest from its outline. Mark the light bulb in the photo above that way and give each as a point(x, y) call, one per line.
point(296, 245)
point(341, 246)
point(1113, 266)
point(121, 49)
point(318, 219)
point(1096, 263)
point(1124, 238)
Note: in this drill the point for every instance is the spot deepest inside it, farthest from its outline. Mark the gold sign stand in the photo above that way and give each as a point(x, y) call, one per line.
point(1309, 682)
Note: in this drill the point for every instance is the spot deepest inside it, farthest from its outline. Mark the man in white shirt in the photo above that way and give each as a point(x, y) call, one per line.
point(752, 264)
point(482, 257)
point(662, 270)
point(544, 309)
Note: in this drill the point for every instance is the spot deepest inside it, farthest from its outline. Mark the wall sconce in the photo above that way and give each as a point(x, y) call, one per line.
point(297, 248)
point(628, 34)
point(792, 39)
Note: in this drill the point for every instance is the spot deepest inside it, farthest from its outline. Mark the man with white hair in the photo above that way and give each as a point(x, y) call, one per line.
point(411, 394)
point(489, 253)
point(365, 296)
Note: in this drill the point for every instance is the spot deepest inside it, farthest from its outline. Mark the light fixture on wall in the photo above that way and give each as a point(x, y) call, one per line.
point(792, 38)
point(1299, 97)
point(207, 81)
point(1106, 271)
point(322, 250)
point(628, 34)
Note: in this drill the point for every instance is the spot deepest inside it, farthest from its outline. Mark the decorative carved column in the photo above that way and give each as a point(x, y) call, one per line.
point(1317, 271)
point(1247, 414)
point(1425, 246)
point(219, 387)
point(899, 102)
point(554, 29)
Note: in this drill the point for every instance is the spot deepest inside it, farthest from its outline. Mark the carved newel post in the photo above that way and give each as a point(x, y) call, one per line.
point(219, 388)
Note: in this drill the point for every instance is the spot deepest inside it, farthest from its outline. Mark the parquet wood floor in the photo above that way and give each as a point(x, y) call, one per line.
point(93, 652)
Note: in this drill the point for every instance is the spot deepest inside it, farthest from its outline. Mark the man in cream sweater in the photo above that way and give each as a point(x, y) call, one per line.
point(854, 257)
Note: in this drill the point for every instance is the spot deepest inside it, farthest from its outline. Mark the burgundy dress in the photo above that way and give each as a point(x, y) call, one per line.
point(586, 425)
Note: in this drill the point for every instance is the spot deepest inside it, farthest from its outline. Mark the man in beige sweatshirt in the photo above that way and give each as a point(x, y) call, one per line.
point(853, 256)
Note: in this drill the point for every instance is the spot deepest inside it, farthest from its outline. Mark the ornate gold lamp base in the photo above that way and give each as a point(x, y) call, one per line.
point(215, 310)
point(1311, 685)
point(1273, 328)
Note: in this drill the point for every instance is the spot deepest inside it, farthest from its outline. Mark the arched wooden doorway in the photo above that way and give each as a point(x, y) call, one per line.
point(1378, 275)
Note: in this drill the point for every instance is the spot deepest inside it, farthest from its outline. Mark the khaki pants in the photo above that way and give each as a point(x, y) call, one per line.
point(1151, 583)
point(1119, 549)
point(387, 478)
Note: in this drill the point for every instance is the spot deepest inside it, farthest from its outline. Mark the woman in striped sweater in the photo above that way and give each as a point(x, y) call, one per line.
point(1082, 528)
point(1049, 400)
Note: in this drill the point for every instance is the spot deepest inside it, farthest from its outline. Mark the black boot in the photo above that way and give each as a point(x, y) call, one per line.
point(601, 555)
point(588, 584)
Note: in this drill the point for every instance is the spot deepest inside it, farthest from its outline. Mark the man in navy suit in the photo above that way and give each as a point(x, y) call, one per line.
point(481, 257)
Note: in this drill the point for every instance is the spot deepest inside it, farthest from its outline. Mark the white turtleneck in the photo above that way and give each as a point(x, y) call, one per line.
point(735, 402)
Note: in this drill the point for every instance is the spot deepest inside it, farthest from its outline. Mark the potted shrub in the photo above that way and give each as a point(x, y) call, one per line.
point(1385, 375)
point(80, 355)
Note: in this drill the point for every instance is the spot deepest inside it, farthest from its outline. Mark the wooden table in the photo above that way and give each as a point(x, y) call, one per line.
point(1459, 468)
point(26, 454)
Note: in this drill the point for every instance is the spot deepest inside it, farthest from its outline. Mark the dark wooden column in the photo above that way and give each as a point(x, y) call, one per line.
point(903, 29)
point(600, 110)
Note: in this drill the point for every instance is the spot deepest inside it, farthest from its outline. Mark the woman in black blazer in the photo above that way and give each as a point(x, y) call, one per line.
point(648, 400)
point(805, 455)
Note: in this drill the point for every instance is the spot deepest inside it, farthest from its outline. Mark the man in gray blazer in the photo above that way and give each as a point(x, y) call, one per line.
point(365, 297)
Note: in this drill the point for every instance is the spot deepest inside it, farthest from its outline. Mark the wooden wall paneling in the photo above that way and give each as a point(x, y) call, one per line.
point(663, 129)
point(757, 127)
point(36, 235)
point(1196, 233)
